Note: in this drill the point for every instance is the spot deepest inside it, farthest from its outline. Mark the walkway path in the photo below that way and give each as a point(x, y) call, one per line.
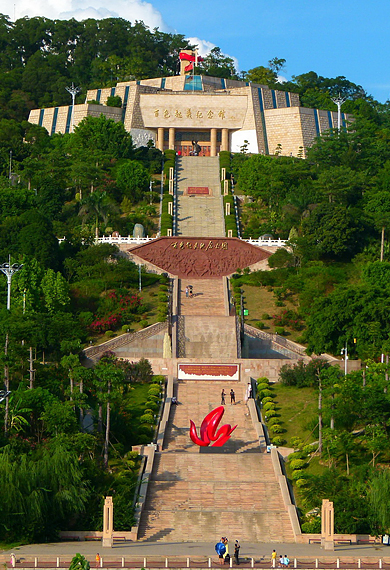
point(205, 331)
point(199, 215)
point(197, 492)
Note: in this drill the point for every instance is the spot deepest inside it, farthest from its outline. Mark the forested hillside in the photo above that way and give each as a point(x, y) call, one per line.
point(334, 207)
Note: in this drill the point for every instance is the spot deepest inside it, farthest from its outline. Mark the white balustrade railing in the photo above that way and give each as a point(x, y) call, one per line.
point(138, 241)
point(119, 239)
point(269, 242)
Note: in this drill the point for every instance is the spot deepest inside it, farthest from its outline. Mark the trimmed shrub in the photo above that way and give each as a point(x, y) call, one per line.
point(296, 455)
point(271, 414)
point(278, 440)
point(154, 390)
point(147, 419)
point(266, 400)
point(109, 334)
point(297, 474)
point(301, 482)
point(268, 406)
point(262, 380)
point(144, 324)
point(297, 463)
point(280, 330)
point(264, 393)
point(276, 428)
point(266, 316)
point(260, 325)
point(262, 386)
point(272, 421)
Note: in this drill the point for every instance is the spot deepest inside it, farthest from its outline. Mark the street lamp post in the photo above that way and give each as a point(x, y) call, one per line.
point(9, 270)
point(338, 101)
point(73, 91)
point(345, 352)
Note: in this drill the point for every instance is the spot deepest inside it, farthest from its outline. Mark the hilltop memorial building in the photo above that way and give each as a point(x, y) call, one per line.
point(219, 114)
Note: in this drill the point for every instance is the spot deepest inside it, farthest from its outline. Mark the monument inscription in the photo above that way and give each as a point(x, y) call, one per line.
point(200, 257)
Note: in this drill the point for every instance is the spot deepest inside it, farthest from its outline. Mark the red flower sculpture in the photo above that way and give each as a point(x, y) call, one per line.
point(208, 430)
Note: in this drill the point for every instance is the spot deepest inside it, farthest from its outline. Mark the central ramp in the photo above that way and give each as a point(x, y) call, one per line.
point(199, 214)
point(205, 329)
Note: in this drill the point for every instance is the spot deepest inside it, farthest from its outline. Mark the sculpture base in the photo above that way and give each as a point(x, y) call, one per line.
point(327, 544)
point(107, 541)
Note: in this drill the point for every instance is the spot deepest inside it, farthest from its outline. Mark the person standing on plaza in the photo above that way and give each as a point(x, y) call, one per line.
point(97, 560)
point(223, 397)
point(226, 555)
point(273, 558)
point(187, 291)
point(232, 397)
point(237, 553)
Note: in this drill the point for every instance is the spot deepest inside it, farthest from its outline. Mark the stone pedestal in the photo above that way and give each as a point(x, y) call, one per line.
point(108, 522)
point(327, 525)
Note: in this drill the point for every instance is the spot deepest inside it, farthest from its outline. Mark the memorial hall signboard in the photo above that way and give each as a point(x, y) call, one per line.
point(200, 257)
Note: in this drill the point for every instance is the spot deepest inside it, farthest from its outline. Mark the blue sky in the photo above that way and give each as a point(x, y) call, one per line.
point(350, 38)
point(330, 37)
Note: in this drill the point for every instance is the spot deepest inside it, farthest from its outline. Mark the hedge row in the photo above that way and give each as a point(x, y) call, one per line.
point(167, 219)
point(225, 162)
point(166, 223)
point(223, 186)
point(266, 395)
point(169, 161)
point(230, 221)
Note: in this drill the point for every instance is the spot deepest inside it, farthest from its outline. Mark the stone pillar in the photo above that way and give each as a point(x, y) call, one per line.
point(213, 139)
point(225, 139)
point(171, 144)
point(160, 139)
point(327, 525)
point(108, 522)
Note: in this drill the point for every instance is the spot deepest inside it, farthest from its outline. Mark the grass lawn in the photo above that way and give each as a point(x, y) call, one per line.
point(258, 300)
point(298, 409)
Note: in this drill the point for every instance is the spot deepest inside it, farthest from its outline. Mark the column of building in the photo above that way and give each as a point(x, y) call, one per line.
point(213, 139)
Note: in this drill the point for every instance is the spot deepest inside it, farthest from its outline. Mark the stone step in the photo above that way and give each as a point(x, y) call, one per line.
point(199, 215)
point(209, 336)
point(196, 492)
point(208, 297)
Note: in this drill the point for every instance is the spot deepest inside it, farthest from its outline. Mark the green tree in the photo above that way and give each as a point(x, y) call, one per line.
point(108, 378)
point(217, 64)
point(133, 179)
point(55, 291)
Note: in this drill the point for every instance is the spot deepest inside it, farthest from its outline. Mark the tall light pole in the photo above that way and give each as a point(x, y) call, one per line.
point(345, 352)
point(9, 270)
point(73, 91)
point(338, 101)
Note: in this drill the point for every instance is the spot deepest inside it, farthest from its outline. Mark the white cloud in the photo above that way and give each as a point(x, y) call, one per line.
point(205, 47)
point(131, 10)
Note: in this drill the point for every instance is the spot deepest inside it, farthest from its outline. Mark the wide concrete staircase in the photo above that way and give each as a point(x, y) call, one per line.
point(204, 329)
point(199, 215)
point(199, 494)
